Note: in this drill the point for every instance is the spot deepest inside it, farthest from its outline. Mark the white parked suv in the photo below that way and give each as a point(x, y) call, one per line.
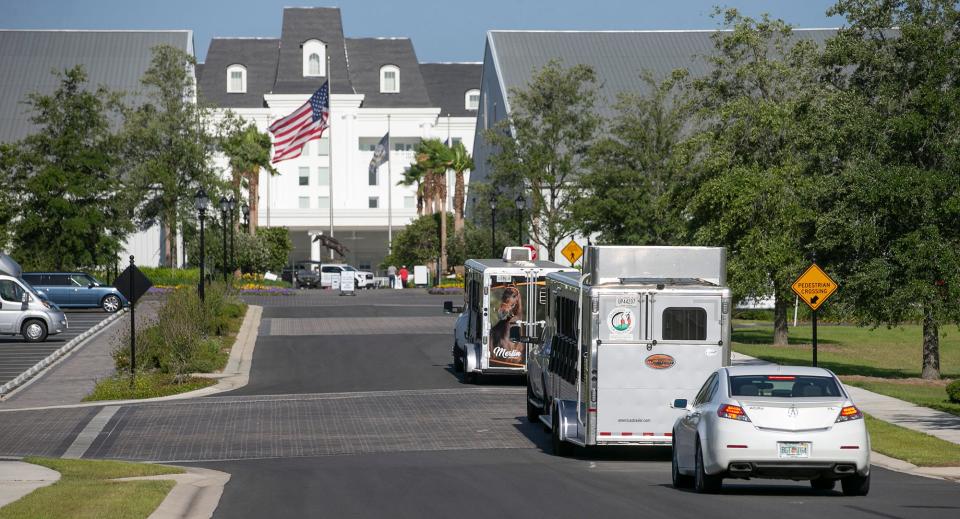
point(772, 422)
point(329, 270)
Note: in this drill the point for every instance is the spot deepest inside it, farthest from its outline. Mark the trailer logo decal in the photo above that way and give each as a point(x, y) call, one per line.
point(621, 321)
point(660, 361)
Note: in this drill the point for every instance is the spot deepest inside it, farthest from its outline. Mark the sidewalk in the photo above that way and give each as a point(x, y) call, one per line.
point(905, 414)
point(75, 376)
point(18, 479)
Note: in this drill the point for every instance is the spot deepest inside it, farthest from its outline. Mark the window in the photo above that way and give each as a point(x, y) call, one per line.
point(304, 176)
point(236, 79)
point(314, 58)
point(304, 202)
point(323, 176)
point(368, 143)
point(323, 146)
point(389, 79)
point(409, 202)
point(11, 291)
point(784, 386)
point(456, 140)
point(684, 324)
point(706, 390)
point(373, 176)
point(323, 202)
point(373, 202)
point(471, 99)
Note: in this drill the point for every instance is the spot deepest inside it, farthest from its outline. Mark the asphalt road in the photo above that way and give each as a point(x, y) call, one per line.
point(17, 356)
point(353, 411)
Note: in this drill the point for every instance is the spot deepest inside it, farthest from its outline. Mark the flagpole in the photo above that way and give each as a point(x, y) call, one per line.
point(330, 140)
point(389, 192)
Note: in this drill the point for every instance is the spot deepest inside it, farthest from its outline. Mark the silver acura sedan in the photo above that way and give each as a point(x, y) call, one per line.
point(781, 422)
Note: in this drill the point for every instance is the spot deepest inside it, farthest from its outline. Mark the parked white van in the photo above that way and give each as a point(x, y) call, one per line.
point(640, 327)
point(22, 310)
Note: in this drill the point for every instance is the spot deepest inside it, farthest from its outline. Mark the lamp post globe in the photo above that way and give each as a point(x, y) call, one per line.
point(201, 202)
point(245, 210)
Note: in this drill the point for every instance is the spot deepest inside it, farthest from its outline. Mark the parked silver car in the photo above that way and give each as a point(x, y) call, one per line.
point(76, 290)
point(23, 311)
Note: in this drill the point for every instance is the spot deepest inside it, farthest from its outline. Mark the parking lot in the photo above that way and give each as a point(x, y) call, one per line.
point(16, 356)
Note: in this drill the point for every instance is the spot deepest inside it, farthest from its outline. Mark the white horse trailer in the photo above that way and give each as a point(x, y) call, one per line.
point(639, 326)
point(503, 298)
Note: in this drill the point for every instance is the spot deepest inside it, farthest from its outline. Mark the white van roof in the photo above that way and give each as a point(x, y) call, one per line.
point(9, 266)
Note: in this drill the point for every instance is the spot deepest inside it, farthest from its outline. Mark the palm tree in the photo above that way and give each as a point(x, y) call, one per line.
point(460, 162)
point(414, 176)
point(434, 158)
point(247, 150)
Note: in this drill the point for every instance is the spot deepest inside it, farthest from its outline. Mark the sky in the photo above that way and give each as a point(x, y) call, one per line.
point(451, 30)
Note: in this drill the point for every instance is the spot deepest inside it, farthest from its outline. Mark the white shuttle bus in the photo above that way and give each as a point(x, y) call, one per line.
point(638, 327)
point(503, 298)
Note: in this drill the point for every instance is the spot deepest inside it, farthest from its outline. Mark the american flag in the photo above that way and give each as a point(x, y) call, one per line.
point(302, 126)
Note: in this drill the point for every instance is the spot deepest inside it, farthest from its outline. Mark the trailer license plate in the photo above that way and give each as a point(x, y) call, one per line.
point(794, 449)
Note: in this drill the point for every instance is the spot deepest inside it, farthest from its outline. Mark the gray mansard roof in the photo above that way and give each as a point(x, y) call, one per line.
point(618, 57)
point(258, 55)
point(368, 55)
point(115, 59)
point(301, 24)
point(448, 83)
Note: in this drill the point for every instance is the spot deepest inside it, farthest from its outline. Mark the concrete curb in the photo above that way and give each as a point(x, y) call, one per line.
point(946, 473)
point(195, 496)
point(18, 478)
point(39, 367)
point(234, 376)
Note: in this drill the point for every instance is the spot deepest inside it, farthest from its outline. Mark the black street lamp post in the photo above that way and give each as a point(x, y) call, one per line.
point(521, 203)
point(201, 202)
point(493, 226)
point(233, 257)
point(224, 206)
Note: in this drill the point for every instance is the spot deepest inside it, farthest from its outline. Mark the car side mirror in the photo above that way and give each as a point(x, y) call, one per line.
point(91, 285)
point(680, 403)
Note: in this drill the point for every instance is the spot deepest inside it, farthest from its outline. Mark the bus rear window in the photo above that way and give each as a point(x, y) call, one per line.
point(783, 386)
point(684, 324)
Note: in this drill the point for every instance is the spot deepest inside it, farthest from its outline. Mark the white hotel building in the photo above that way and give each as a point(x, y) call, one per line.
point(376, 83)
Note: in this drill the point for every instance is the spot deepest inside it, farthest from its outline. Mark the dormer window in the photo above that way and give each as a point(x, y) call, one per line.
point(314, 58)
point(389, 79)
point(236, 79)
point(471, 100)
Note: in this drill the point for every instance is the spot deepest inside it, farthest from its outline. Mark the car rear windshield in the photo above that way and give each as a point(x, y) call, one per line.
point(784, 386)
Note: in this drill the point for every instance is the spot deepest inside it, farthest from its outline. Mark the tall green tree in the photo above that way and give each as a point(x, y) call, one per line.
point(899, 219)
point(65, 180)
point(542, 147)
point(434, 159)
point(754, 188)
point(248, 151)
point(624, 194)
point(460, 163)
point(169, 146)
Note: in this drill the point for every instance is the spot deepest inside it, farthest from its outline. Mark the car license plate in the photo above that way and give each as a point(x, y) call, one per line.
point(794, 449)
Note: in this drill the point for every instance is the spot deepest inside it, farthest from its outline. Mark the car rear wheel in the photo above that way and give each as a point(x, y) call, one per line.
point(34, 330)
point(705, 483)
point(457, 360)
point(533, 411)
point(679, 480)
point(110, 304)
point(823, 484)
point(560, 447)
point(856, 485)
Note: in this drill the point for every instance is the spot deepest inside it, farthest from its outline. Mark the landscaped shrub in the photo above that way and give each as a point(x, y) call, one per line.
point(953, 391)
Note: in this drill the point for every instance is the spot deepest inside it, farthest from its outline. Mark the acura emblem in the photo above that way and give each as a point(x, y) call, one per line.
point(792, 412)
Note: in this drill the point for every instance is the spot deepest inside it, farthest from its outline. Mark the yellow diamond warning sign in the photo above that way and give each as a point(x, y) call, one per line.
point(814, 286)
point(572, 251)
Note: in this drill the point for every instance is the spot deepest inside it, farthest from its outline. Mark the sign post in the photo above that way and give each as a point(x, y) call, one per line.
point(814, 286)
point(132, 283)
point(572, 251)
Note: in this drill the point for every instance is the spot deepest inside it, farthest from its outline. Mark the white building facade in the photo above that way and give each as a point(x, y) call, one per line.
point(377, 86)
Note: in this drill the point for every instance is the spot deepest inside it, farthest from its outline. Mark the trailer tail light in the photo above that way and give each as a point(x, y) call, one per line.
point(733, 412)
point(848, 413)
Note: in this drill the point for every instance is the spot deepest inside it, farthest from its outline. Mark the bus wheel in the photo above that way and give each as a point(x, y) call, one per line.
point(457, 360)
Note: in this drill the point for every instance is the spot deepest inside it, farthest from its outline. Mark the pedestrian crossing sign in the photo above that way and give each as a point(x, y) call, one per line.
point(814, 286)
point(572, 251)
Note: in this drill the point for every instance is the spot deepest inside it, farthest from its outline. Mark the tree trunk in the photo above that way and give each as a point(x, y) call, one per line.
point(931, 347)
point(254, 202)
point(780, 307)
point(442, 203)
point(166, 244)
point(458, 195)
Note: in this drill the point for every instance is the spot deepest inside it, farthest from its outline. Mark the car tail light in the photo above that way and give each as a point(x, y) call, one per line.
point(848, 413)
point(733, 412)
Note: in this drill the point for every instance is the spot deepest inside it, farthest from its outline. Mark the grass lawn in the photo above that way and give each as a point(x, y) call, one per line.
point(851, 350)
point(933, 395)
point(148, 385)
point(918, 448)
point(85, 491)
